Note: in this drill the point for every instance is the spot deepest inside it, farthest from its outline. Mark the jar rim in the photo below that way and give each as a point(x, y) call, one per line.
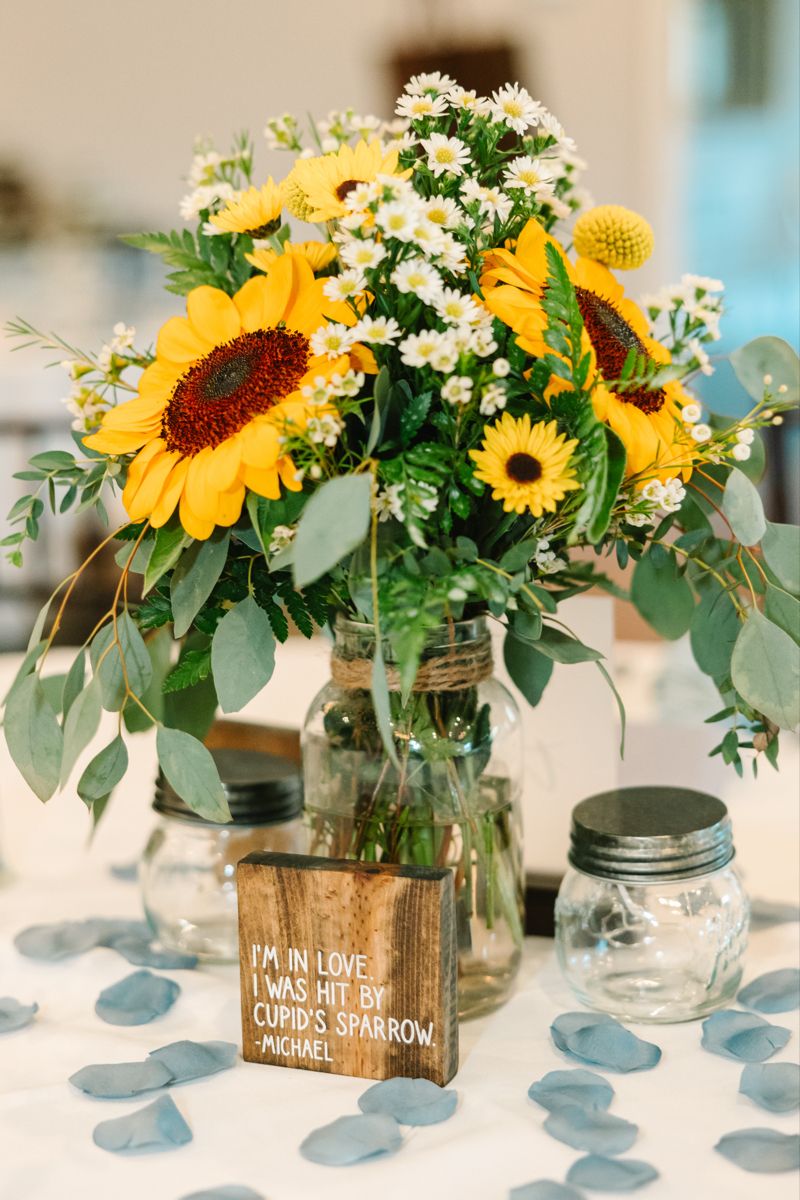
point(448, 633)
point(649, 880)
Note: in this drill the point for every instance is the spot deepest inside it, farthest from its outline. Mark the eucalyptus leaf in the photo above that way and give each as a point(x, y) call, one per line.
point(159, 647)
point(661, 594)
point(410, 1101)
point(763, 1151)
point(34, 737)
point(334, 522)
point(80, 727)
point(195, 577)
point(529, 669)
point(783, 610)
point(742, 506)
point(120, 662)
point(352, 1139)
point(563, 648)
point(713, 632)
point(156, 1127)
point(781, 547)
point(104, 772)
point(24, 670)
point(767, 356)
point(765, 669)
point(242, 655)
point(611, 1174)
point(38, 625)
point(137, 999)
point(773, 1086)
point(74, 682)
point(380, 703)
point(169, 544)
point(191, 771)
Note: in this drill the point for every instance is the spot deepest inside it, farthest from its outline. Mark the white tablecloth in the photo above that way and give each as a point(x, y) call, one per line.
point(248, 1122)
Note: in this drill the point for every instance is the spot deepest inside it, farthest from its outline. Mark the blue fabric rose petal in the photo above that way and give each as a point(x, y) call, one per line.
point(742, 1036)
point(544, 1189)
point(126, 872)
point(761, 1150)
point(187, 1060)
point(410, 1101)
point(120, 1081)
point(602, 1042)
point(766, 913)
point(137, 999)
point(592, 1130)
point(14, 1015)
point(53, 943)
point(773, 1086)
point(611, 1174)
point(140, 952)
point(560, 1089)
point(228, 1191)
point(157, 1126)
point(66, 939)
point(775, 992)
point(352, 1139)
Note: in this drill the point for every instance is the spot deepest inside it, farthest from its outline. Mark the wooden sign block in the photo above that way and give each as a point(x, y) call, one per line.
point(348, 967)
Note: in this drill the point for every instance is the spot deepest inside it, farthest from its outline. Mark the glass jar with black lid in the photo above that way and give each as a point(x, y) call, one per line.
point(188, 871)
point(651, 918)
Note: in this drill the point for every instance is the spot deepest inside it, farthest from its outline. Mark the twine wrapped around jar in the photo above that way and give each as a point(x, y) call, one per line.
point(456, 669)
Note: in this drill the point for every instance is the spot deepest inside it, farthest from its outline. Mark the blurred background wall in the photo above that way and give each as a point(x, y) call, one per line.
point(685, 110)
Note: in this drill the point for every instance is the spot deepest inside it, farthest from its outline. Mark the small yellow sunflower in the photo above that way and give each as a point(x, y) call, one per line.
point(223, 391)
point(255, 211)
point(527, 466)
point(316, 188)
point(647, 420)
point(318, 255)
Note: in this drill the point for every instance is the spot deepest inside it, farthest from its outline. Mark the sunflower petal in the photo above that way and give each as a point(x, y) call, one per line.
point(198, 492)
point(213, 315)
point(139, 465)
point(140, 502)
point(264, 481)
point(110, 441)
point(194, 526)
point(178, 341)
point(229, 506)
point(224, 463)
point(170, 494)
point(260, 445)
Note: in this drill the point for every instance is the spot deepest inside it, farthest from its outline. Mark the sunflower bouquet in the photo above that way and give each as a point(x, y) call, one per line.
point(408, 388)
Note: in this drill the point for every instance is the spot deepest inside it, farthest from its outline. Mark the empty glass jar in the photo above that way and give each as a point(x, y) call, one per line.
point(652, 919)
point(188, 872)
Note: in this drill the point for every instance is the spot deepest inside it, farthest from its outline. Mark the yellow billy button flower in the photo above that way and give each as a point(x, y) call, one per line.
point(527, 466)
point(255, 211)
point(613, 235)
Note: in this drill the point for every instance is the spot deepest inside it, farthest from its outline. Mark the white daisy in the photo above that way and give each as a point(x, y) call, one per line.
point(344, 286)
point(491, 201)
point(459, 97)
point(389, 502)
point(493, 398)
point(702, 283)
point(443, 210)
point(431, 81)
point(452, 255)
point(397, 220)
point(515, 107)
point(362, 253)
point(548, 124)
point(359, 198)
point(349, 384)
point(416, 108)
point(533, 175)
point(445, 356)
point(123, 337)
point(365, 127)
point(457, 309)
point(332, 340)
point(418, 349)
point(446, 155)
point(457, 389)
point(282, 536)
point(700, 355)
point(205, 198)
point(419, 278)
point(380, 331)
point(483, 342)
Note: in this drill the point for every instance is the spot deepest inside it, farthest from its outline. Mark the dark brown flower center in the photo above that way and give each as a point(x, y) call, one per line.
point(344, 189)
point(613, 339)
point(265, 230)
point(236, 382)
point(523, 468)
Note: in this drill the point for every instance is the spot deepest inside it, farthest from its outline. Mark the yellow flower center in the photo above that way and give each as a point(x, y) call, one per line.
point(512, 108)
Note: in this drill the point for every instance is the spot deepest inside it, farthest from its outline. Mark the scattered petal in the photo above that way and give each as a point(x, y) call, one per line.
point(140, 952)
point(762, 1150)
point(766, 913)
point(588, 1129)
point(125, 872)
point(120, 1081)
point(558, 1089)
point(14, 1015)
point(137, 999)
point(228, 1191)
point(410, 1101)
point(351, 1139)
point(544, 1189)
point(775, 992)
point(601, 1041)
point(773, 1086)
point(52, 943)
point(611, 1174)
point(187, 1060)
point(742, 1036)
point(154, 1127)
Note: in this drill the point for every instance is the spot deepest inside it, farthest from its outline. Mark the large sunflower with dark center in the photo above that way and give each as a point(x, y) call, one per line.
point(646, 420)
point(223, 393)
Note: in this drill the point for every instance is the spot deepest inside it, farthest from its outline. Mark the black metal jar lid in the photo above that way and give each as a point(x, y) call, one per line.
point(261, 789)
point(647, 834)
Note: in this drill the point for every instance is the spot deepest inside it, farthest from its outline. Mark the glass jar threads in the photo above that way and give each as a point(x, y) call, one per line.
point(188, 872)
point(651, 918)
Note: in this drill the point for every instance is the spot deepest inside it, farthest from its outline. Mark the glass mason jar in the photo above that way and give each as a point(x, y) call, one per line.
point(451, 800)
point(652, 919)
point(188, 872)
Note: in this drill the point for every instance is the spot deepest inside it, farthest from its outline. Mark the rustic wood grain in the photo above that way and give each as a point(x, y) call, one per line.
point(401, 917)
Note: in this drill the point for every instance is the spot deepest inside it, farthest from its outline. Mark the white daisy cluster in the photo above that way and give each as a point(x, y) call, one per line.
point(416, 499)
point(339, 127)
point(687, 316)
point(211, 179)
point(324, 430)
point(547, 561)
point(86, 406)
point(654, 500)
point(120, 344)
point(283, 133)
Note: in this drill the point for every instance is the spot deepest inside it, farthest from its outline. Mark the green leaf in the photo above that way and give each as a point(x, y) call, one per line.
point(159, 647)
point(192, 710)
point(563, 648)
point(767, 356)
point(783, 610)
point(781, 548)
point(334, 522)
point(73, 684)
point(381, 705)
point(742, 506)
point(191, 771)
point(53, 460)
point(661, 594)
point(242, 655)
point(381, 395)
point(129, 651)
point(26, 666)
point(166, 551)
point(195, 576)
point(766, 670)
point(104, 772)
point(529, 669)
point(620, 706)
point(606, 497)
point(33, 736)
point(192, 667)
point(413, 414)
point(713, 632)
point(80, 726)
point(39, 624)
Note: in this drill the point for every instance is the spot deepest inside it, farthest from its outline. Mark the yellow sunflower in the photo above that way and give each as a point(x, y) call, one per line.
point(255, 211)
point(646, 420)
point(316, 188)
point(527, 466)
point(318, 255)
point(225, 387)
